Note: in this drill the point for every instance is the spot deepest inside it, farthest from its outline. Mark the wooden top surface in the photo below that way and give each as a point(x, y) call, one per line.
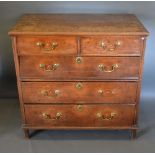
point(78, 24)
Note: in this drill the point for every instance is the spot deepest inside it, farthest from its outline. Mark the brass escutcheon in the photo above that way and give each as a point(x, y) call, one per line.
point(79, 85)
point(79, 107)
point(78, 60)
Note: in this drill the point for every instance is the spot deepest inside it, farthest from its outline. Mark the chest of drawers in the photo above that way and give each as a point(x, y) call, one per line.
point(79, 71)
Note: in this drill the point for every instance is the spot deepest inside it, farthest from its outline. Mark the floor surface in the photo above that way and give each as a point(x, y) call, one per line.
point(12, 139)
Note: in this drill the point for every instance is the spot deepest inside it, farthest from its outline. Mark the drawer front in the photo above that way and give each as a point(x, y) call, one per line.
point(79, 92)
point(53, 45)
point(80, 116)
point(111, 45)
point(91, 68)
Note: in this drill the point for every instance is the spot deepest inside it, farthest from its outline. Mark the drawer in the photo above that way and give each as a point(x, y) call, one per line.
point(79, 92)
point(62, 68)
point(80, 116)
point(53, 45)
point(111, 45)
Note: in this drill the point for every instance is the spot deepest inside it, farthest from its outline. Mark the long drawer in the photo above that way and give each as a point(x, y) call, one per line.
point(91, 68)
point(80, 116)
point(79, 92)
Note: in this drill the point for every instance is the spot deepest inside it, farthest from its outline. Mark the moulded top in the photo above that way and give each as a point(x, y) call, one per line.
point(78, 24)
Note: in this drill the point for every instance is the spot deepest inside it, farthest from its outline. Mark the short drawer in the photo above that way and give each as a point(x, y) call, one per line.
point(111, 45)
point(80, 116)
point(79, 92)
point(53, 45)
point(63, 68)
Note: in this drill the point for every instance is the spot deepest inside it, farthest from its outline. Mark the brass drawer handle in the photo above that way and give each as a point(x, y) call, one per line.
point(47, 46)
point(58, 115)
point(50, 93)
point(110, 47)
point(105, 117)
point(49, 68)
point(100, 92)
point(105, 92)
point(48, 116)
point(79, 85)
point(104, 68)
point(102, 44)
point(78, 60)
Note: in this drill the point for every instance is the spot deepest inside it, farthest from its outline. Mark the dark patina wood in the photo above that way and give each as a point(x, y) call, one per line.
point(90, 92)
point(111, 46)
point(64, 45)
point(79, 71)
point(78, 24)
point(106, 115)
point(88, 68)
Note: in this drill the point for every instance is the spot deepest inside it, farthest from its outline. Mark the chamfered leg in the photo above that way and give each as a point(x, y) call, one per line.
point(133, 133)
point(26, 133)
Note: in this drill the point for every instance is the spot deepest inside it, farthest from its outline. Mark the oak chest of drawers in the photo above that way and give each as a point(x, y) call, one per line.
point(79, 71)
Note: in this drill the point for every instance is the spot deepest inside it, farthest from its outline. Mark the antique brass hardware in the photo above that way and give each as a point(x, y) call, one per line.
point(58, 115)
point(78, 60)
point(79, 107)
point(50, 93)
point(39, 44)
point(115, 46)
point(79, 85)
point(49, 68)
point(47, 46)
point(110, 47)
point(106, 117)
point(102, 44)
point(48, 116)
point(100, 92)
point(103, 68)
point(56, 92)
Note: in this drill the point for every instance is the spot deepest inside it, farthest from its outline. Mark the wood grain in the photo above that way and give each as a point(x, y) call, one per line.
point(129, 46)
point(72, 117)
point(128, 68)
point(79, 36)
point(113, 92)
point(65, 45)
point(78, 24)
